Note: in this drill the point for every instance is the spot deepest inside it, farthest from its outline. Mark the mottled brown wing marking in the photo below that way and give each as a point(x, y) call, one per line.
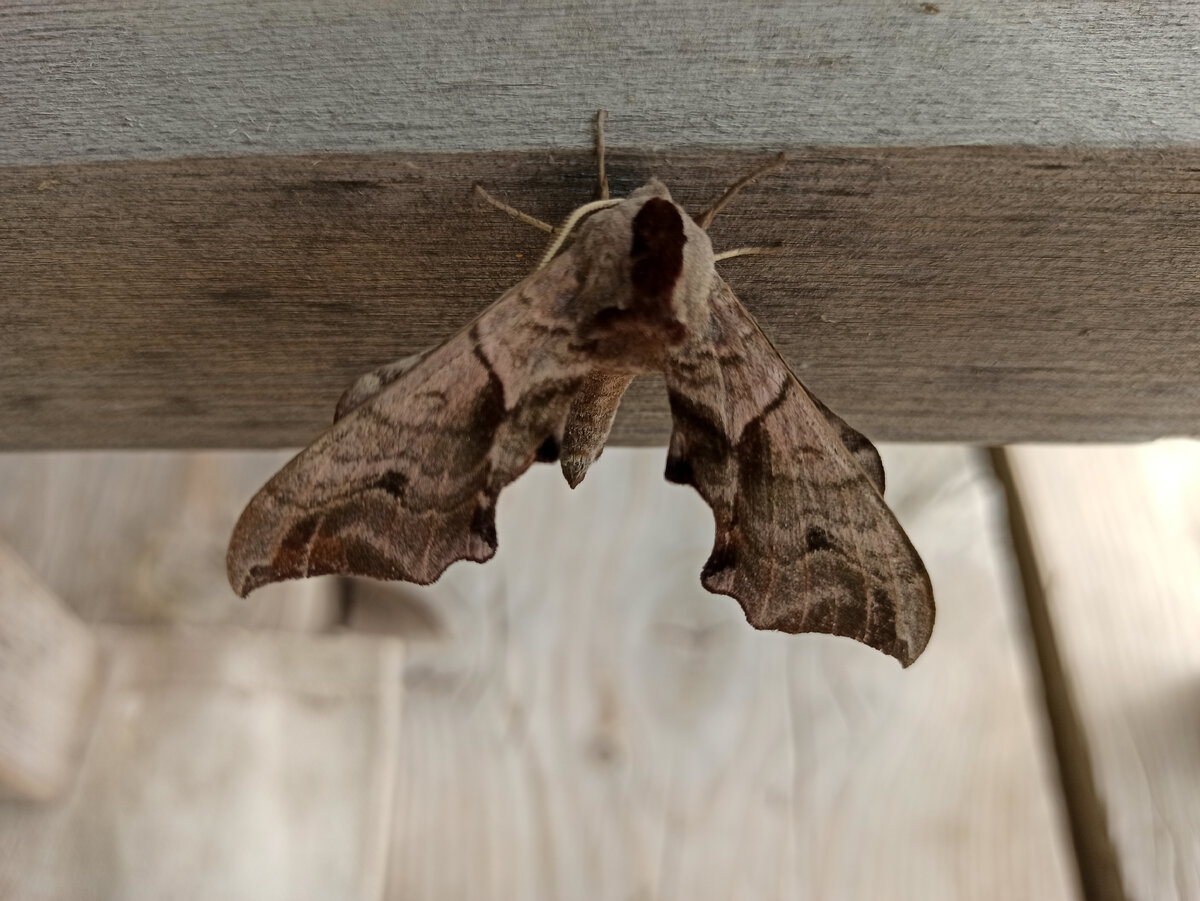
point(859, 445)
point(782, 550)
point(548, 451)
point(700, 442)
point(406, 480)
point(293, 551)
point(804, 540)
point(367, 386)
point(394, 483)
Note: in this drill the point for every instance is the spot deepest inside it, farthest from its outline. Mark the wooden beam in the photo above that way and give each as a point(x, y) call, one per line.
point(988, 294)
point(114, 79)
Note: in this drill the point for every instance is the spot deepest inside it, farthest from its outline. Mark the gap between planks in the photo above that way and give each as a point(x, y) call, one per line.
point(1096, 858)
point(1114, 532)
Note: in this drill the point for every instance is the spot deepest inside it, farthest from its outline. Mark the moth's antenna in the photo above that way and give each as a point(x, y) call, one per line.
point(704, 220)
point(563, 231)
point(514, 212)
point(602, 188)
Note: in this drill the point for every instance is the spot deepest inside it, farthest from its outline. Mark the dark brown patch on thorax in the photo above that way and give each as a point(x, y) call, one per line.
point(657, 252)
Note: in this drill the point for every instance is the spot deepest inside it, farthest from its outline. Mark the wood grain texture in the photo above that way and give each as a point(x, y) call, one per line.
point(225, 764)
point(582, 720)
point(137, 79)
point(140, 537)
point(1116, 539)
point(48, 668)
point(967, 294)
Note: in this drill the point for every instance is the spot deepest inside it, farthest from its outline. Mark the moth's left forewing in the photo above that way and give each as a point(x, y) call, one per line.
point(804, 539)
point(406, 480)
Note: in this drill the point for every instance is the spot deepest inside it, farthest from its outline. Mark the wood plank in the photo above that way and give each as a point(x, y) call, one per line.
point(48, 669)
point(1114, 533)
point(581, 719)
point(956, 294)
point(141, 537)
point(225, 764)
point(120, 79)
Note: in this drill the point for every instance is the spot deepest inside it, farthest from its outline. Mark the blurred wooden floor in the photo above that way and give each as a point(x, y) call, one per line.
point(579, 719)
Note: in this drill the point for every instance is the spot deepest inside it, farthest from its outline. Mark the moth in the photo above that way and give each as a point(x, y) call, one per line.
point(406, 480)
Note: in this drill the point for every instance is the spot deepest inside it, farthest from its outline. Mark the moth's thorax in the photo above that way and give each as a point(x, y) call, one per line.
point(645, 272)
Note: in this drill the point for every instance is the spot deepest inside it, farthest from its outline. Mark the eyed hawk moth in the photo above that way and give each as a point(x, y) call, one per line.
point(406, 480)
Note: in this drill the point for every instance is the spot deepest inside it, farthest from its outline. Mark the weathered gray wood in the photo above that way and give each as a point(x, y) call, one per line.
point(224, 764)
point(49, 662)
point(140, 538)
point(128, 78)
point(1114, 538)
point(583, 720)
point(968, 294)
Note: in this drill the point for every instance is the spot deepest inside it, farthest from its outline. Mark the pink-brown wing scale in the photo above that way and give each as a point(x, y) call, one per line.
point(804, 540)
point(406, 480)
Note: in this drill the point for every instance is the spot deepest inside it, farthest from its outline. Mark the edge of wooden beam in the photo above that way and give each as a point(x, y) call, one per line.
point(977, 294)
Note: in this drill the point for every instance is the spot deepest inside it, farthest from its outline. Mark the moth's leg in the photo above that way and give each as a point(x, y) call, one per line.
point(514, 212)
point(602, 183)
point(704, 220)
point(745, 252)
point(563, 232)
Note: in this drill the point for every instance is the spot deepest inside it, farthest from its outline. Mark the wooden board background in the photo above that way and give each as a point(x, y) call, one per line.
point(605, 696)
point(579, 718)
point(140, 538)
point(967, 294)
point(1037, 285)
point(48, 672)
point(1116, 549)
point(584, 720)
point(242, 766)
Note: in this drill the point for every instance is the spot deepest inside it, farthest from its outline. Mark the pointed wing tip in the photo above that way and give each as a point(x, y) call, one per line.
point(241, 582)
point(244, 577)
point(243, 566)
point(926, 615)
point(906, 650)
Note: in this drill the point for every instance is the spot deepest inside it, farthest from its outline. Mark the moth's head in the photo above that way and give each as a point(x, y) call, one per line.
point(645, 268)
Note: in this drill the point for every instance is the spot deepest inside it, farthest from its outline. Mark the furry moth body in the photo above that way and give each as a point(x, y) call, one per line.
point(406, 480)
